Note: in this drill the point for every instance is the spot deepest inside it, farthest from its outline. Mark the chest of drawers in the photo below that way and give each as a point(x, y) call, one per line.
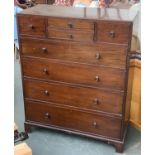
point(75, 70)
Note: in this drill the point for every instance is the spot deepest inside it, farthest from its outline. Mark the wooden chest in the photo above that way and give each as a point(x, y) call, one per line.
point(75, 71)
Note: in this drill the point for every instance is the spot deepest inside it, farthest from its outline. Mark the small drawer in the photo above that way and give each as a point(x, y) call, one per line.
point(69, 24)
point(105, 54)
point(75, 120)
point(39, 1)
point(31, 25)
point(71, 35)
point(114, 32)
point(92, 99)
point(74, 73)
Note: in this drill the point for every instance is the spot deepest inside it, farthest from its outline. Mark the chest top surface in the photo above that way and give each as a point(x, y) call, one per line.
point(117, 14)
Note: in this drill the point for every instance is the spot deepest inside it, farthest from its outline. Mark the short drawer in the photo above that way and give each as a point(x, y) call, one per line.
point(74, 73)
point(92, 99)
point(69, 24)
point(105, 54)
point(114, 32)
point(73, 119)
point(39, 1)
point(71, 35)
point(31, 25)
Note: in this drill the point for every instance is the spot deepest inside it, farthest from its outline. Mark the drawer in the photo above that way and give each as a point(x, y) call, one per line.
point(71, 35)
point(31, 25)
point(105, 54)
point(85, 98)
point(73, 119)
point(74, 73)
point(114, 32)
point(39, 1)
point(69, 24)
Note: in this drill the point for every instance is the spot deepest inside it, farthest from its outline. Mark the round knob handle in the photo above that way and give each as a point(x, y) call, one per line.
point(31, 26)
point(45, 71)
point(46, 92)
point(47, 115)
point(44, 49)
point(70, 36)
point(97, 78)
point(112, 34)
point(70, 25)
point(94, 124)
point(97, 56)
point(96, 101)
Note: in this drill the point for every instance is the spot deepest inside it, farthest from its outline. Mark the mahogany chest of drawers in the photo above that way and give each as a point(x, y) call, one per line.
point(75, 70)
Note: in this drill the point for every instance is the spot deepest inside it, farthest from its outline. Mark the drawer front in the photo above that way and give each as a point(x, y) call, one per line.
point(39, 1)
point(84, 98)
point(74, 73)
point(105, 54)
point(31, 25)
point(73, 119)
point(114, 32)
point(69, 24)
point(71, 35)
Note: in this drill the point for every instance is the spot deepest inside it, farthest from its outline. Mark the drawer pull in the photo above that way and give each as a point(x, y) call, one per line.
point(47, 116)
point(98, 56)
point(112, 34)
point(45, 71)
point(94, 124)
point(96, 101)
point(70, 36)
point(31, 26)
point(44, 49)
point(97, 78)
point(46, 92)
point(70, 25)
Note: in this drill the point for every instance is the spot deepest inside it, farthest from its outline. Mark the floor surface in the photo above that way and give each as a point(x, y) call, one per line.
point(50, 142)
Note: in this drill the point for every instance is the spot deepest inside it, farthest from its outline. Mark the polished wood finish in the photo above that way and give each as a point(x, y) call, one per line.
point(32, 25)
point(114, 14)
point(66, 118)
point(71, 35)
point(105, 54)
point(75, 71)
point(69, 24)
point(93, 99)
point(113, 32)
point(40, 1)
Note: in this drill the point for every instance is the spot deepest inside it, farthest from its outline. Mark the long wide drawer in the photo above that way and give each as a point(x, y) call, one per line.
point(105, 54)
point(74, 73)
point(73, 119)
point(85, 98)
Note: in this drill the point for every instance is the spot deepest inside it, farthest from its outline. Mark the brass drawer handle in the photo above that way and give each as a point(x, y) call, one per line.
point(97, 78)
point(44, 49)
point(31, 26)
point(70, 25)
point(96, 101)
point(112, 34)
point(47, 115)
point(70, 36)
point(98, 56)
point(45, 71)
point(46, 92)
point(94, 124)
